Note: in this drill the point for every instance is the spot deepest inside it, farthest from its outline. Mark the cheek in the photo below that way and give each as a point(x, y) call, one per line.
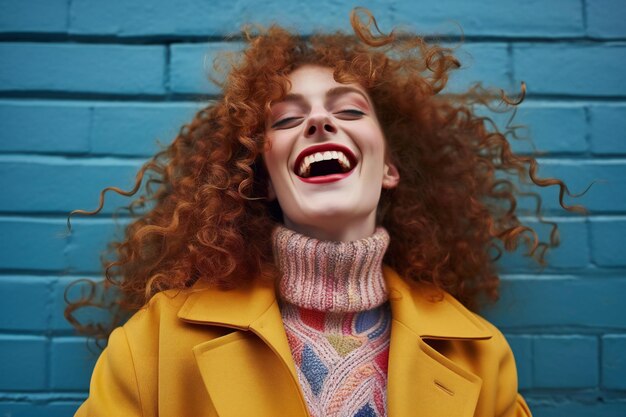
point(368, 137)
point(276, 157)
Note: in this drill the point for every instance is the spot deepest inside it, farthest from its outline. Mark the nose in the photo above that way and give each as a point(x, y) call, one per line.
point(319, 125)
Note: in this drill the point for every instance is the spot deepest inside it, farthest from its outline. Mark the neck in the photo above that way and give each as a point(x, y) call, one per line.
point(330, 275)
point(337, 229)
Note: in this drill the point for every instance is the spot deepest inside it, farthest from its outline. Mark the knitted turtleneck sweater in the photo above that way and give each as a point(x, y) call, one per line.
point(333, 301)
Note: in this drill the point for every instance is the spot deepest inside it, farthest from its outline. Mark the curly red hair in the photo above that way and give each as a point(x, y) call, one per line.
point(209, 218)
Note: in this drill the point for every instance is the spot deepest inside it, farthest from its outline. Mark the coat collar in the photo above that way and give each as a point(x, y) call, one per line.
point(428, 312)
point(240, 363)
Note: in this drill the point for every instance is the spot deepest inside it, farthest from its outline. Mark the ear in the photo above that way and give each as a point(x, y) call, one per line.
point(271, 194)
point(391, 176)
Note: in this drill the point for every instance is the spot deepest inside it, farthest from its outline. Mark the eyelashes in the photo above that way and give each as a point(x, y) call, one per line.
point(352, 112)
point(289, 122)
point(283, 122)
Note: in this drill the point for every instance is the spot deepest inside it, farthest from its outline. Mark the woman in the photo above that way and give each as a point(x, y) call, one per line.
point(311, 234)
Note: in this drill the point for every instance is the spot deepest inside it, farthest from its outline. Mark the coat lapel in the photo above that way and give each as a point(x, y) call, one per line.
point(254, 361)
point(421, 381)
point(250, 371)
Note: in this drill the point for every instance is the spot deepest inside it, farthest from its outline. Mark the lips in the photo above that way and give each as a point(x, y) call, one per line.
point(340, 156)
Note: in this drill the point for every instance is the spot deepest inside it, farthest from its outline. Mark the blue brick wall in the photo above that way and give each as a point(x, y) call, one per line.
point(87, 87)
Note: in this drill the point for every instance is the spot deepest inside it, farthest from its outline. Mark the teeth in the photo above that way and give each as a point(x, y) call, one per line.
point(345, 161)
point(305, 167)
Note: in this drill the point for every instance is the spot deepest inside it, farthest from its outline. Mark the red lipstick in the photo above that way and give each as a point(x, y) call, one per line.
point(323, 148)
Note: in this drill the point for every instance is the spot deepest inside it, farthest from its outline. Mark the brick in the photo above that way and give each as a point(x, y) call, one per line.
point(552, 127)
point(115, 128)
point(198, 18)
point(159, 17)
point(36, 184)
point(494, 17)
point(62, 408)
point(607, 179)
point(607, 238)
point(25, 291)
point(605, 18)
point(76, 288)
point(89, 241)
point(38, 408)
point(71, 363)
point(571, 69)
point(572, 252)
point(44, 126)
point(192, 64)
point(522, 347)
point(544, 301)
point(72, 68)
point(531, 18)
point(46, 16)
point(565, 362)
point(614, 361)
point(133, 129)
point(26, 369)
point(32, 244)
point(572, 409)
point(608, 124)
point(484, 62)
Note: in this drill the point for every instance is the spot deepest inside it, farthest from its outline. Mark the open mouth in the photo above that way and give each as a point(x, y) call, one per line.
point(328, 160)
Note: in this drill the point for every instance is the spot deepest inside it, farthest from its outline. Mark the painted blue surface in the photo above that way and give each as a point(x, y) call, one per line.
point(522, 346)
point(571, 69)
point(44, 127)
point(18, 16)
point(51, 184)
point(606, 175)
point(69, 67)
point(71, 363)
point(88, 87)
point(21, 291)
point(137, 129)
point(562, 18)
point(614, 361)
point(562, 362)
point(192, 64)
point(555, 128)
point(606, 233)
point(23, 360)
point(560, 302)
point(605, 19)
point(607, 125)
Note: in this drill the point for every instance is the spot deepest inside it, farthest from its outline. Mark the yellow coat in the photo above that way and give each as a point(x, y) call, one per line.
point(225, 353)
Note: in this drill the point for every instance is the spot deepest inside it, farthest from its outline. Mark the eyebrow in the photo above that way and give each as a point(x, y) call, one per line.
point(333, 92)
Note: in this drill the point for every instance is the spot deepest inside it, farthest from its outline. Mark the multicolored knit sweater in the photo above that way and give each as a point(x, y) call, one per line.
point(334, 306)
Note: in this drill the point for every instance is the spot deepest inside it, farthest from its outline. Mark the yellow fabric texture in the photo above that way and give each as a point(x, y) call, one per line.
point(206, 352)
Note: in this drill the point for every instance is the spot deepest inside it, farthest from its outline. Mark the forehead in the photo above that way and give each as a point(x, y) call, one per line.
point(311, 80)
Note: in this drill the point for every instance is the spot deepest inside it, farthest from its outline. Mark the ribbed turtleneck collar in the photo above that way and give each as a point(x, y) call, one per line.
point(331, 276)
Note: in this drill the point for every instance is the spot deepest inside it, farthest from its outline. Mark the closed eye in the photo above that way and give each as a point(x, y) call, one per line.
point(286, 123)
point(289, 122)
point(351, 114)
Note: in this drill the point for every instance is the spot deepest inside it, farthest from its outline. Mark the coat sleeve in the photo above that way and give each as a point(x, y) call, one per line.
point(509, 402)
point(113, 390)
point(521, 408)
